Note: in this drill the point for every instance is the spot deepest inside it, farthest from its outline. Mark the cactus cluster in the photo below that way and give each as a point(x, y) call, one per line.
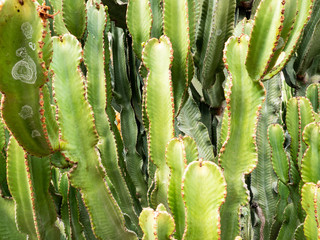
point(159, 119)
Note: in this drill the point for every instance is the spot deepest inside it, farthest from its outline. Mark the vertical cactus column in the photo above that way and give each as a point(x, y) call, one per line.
point(203, 187)
point(310, 203)
point(180, 152)
point(80, 138)
point(215, 27)
point(263, 177)
point(28, 180)
point(157, 57)
point(238, 155)
point(156, 225)
point(176, 27)
point(97, 98)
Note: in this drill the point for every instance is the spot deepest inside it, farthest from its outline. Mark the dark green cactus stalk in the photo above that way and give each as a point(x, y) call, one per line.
point(309, 46)
point(263, 177)
point(280, 161)
point(215, 27)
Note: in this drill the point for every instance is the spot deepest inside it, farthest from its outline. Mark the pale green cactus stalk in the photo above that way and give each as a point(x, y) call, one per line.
point(244, 98)
point(156, 224)
point(313, 94)
point(58, 24)
point(299, 114)
point(288, 18)
point(179, 153)
point(159, 110)
point(203, 185)
point(176, 27)
point(310, 203)
point(310, 162)
point(140, 28)
point(71, 91)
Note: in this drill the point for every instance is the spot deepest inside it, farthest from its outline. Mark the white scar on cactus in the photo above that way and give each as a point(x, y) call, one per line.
point(24, 70)
point(27, 30)
point(32, 46)
point(35, 133)
point(26, 112)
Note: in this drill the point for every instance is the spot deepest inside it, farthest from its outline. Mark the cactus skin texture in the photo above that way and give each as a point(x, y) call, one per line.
point(313, 93)
point(279, 158)
point(96, 97)
point(309, 46)
point(277, 47)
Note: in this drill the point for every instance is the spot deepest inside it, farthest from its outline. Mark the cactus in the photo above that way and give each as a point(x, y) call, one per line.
point(156, 224)
point(146, 119)
point(310, 201)
point(24, 64)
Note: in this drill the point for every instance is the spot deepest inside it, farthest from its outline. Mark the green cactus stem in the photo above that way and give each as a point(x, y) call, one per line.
point(139, 22)
point(180, 152)
point(263, 43)
point(159, 110)
point(203, 186)
point(310, 165)
point(97, 98)
point(156, 225)
point(176, 27)
point(279, 157)
point(215, 27)
point(244, 99)
point(80, 138)
point(310, 202)
point(74, 16)
point(22, 73)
